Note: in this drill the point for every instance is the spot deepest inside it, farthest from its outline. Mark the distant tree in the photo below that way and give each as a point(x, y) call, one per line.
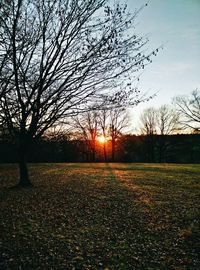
point(103, 120)
point(57, 138)
point(188, 108)
point(148, 121)
point(108, 122)
point(118, 122)
point(58, 56)
point(57, 133)
point(162, 121)
point(85, 127)
point(167, 120)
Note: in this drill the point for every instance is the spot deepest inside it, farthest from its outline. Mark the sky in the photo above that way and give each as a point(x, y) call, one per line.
point(175, 24)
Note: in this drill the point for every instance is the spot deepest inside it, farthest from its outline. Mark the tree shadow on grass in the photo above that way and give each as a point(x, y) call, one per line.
point(85, 219)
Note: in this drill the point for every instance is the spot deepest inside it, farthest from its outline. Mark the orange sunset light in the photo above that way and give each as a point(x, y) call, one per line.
point(101, 139)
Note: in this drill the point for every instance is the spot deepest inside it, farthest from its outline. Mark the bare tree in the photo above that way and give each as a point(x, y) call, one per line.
point(162, 121)
point(167, 120)
point(118, 122)
point(57, 56)
point(103, 120)
point(85, 127)
point(109, 123)
point(57, 133)
point(188, 108)
point(148, 121)
point(167, 123)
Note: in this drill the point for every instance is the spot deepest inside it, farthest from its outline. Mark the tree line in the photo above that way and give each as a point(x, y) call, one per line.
point(182, 116)
point(101, 135)
point(180, 148)
point(167, 134)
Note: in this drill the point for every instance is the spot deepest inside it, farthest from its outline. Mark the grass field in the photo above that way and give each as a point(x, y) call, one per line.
point(101, 216)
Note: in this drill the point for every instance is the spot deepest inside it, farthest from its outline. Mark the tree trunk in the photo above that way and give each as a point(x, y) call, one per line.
point(113, 150)
point(104, 145)
point(93, 151)
point(105, 153)
point(24, 180)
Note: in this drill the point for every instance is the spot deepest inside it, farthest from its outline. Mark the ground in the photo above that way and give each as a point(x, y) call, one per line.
point(101, 216)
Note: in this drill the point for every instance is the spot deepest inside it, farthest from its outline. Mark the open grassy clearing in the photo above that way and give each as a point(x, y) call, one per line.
point(101, 216)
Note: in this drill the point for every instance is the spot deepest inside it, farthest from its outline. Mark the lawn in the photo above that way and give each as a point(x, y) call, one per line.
point(101, 216)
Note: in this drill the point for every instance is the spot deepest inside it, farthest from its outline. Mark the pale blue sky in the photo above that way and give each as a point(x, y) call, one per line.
point(176, 69)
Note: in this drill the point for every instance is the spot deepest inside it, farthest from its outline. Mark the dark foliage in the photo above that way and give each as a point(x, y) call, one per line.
point(129, 148)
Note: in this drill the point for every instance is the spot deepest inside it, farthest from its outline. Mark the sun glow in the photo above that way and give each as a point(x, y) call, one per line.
point(101, 139)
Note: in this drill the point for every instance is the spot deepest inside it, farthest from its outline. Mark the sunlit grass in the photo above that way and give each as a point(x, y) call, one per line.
point(101, 216)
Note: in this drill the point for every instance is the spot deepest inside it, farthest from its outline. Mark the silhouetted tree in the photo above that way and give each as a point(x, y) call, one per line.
point(148, 121)
point(162, 121)
point(103, 120)
point(149, 129)
point(118, 122)
point(166, 123)
point(167, 120)
point(107, 122)
point(57, 56)
point(57, 138)
point(188, 108)
point(85, 127)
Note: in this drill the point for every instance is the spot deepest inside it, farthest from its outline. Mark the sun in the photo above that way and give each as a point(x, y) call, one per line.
point(101, 139)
